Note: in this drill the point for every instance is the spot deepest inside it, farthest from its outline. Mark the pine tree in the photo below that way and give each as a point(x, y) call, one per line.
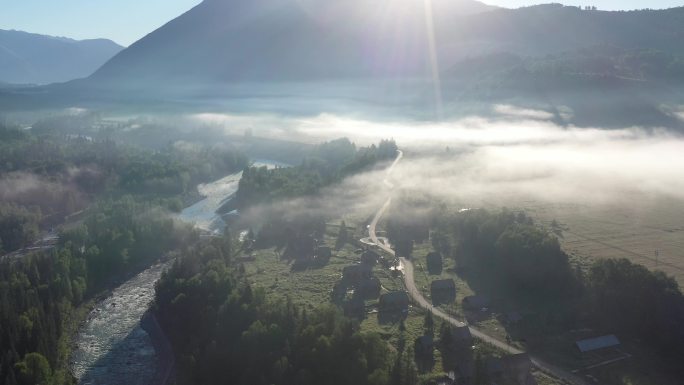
point(410, 371)
point(429, 324)
point(445, 334)
point(480, 376)
point(342, 236)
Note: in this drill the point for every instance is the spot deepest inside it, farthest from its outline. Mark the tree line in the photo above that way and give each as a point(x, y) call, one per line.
point(45, 177)
point(39, 292)
point(221, 328)
point(18, 226)
point(522, 261)
point(127, 193)
point(327, 163)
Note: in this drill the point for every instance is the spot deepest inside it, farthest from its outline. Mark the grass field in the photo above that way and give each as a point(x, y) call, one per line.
point(648, 232)
point(312, 288)
point(646, 229)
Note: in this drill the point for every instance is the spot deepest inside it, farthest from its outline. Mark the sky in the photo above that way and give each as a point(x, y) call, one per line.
point(610, 5)
point(126, 21)
point(123, 21)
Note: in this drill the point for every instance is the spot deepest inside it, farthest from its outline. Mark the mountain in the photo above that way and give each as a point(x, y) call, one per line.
point(291, 40)
point(27, 58)
point(286, 40)
point(306, 56)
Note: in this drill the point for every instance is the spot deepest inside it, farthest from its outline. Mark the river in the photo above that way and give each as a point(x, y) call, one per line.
point(111, 347)
point(203, 213)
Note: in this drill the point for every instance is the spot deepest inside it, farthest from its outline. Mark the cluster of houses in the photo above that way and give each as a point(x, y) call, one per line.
point(442, 291)
point(456, 347)
point(359, 278)
point(456, 344)
point(515, 369)
point(306, 251)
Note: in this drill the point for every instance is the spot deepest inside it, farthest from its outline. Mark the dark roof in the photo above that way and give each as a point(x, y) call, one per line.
point(357, 269)
point(494, 365)
point(461, 333)
point(434, 255)
point(465, 368)
point(518, 368)
point(443, 284)
point(323, 250)
point(354, 306)
point(395, 296)
point(517, 362)
point(597, 343)
point(370, 254)
point(515, 367)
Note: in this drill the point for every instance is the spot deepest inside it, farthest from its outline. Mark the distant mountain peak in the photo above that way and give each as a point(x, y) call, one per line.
point(255, 40)
point(264, 41)
point(30, 58)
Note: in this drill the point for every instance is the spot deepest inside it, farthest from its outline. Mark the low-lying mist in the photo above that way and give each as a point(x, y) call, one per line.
point(576, 167)
point(516, 154)
point(521, 154)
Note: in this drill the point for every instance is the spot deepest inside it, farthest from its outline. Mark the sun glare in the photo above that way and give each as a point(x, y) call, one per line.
point(434, 62)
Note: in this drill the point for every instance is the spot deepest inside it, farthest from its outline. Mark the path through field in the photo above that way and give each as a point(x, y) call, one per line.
point(422, 302)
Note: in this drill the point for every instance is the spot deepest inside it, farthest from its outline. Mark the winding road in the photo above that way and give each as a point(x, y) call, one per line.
point(422, 302)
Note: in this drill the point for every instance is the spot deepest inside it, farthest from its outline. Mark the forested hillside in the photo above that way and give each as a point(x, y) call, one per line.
point(122, 197)
point(48, 175)
point(508, 255)
point(221, 327)
point(326, 164)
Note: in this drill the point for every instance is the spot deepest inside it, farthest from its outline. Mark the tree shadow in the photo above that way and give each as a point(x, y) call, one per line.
point(303, 264)
point(434, 263)
point(391, 317)
point(131, 361)
point(424, 362)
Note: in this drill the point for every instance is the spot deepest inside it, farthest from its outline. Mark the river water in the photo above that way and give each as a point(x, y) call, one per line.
point(111, 347)
point(203, 213)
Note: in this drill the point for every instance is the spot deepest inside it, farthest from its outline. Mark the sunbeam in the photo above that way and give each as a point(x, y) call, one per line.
point(434, 62)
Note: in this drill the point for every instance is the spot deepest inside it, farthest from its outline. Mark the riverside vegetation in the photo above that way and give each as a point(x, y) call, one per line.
point(122, 197)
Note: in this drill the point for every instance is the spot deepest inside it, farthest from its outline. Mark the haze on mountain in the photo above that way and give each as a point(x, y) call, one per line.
point(256, 40)
point(27, 58)
point(276, 40)
point(541, 56)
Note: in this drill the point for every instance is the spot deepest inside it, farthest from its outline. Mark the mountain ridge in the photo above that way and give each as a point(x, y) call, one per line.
point(30, 58)
point(286, 31)
point(281, 40)
point(610, 68)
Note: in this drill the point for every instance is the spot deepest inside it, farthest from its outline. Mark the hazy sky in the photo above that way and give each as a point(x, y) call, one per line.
point(601, 4)
point(123, 21)
point(126, 21)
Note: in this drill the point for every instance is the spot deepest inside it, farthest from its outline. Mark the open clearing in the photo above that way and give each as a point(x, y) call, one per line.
point(648, 231)
point(312, 287)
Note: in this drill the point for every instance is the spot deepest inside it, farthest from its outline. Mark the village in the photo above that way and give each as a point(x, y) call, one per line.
point(368, 286)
